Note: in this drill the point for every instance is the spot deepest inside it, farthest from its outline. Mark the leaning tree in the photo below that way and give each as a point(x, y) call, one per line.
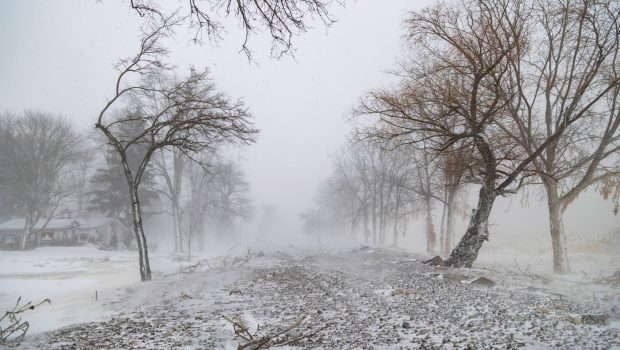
point(453, 97)
point(186, 114)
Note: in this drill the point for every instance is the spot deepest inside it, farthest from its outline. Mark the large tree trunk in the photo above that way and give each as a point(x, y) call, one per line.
point(467, 250)
point(558, 239)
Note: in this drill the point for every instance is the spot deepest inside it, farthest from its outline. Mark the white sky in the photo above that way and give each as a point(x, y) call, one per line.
point(58, 56)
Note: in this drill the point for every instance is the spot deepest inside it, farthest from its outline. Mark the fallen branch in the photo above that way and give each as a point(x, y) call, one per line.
point(613, 280)
point(229, 263)
point(528, 273)
point(255, 341)
point(220, 264)
point(16, 330)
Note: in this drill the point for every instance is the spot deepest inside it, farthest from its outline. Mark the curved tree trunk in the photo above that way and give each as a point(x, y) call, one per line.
point(466, 251)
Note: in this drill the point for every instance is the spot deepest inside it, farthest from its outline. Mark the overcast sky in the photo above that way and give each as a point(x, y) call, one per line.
point(58, 56)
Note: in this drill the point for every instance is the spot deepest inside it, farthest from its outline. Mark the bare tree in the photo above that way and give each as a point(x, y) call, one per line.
point(79, 177)
point(427, 169)
point(572, 72)
point(198, 201)
point(282, 19)
point(187, 114)
point(466, 91)
point(228, 197)
point(451, 99)
point(37, 151)
point(370, 189)
point(173, 179)
point(454, 166)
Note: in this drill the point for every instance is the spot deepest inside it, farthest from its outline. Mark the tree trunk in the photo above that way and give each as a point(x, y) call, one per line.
point(450, 216)
point(366, 228)
point(24, 240)
point(145, 268)
point(430, 230)
point(397, 205)
point(381, 216)
point(467, 250)
point(558, 239)
point(374, 222)
point(443, 230)
point(176, 221)
point(175, 228)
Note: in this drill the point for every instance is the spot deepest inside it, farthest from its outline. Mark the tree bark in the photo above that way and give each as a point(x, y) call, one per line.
point(136, 211)
point(145, 268)
point(558, 239)
point(467, 250)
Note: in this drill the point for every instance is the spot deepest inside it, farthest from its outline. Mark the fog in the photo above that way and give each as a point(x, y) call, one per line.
point(295, 100)
point(59, 58)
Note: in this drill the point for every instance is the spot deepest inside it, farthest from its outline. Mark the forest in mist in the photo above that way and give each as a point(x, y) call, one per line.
point(180, 133)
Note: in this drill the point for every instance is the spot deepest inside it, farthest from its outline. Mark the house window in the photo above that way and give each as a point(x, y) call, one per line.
point(9, 238)
point(47, 236)
point(83, 238)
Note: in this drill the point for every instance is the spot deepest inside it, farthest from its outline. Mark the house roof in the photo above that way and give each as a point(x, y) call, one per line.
point(60, 224)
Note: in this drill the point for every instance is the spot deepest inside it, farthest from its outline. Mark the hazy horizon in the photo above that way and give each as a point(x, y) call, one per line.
point(59, 57)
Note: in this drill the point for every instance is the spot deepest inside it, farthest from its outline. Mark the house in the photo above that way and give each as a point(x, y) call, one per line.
point(107, 232)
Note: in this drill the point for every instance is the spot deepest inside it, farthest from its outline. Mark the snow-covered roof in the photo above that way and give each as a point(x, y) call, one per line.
point(60, 224)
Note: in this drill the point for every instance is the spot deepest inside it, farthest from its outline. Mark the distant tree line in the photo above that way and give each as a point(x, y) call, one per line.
point(377, 192)
point(49, 169)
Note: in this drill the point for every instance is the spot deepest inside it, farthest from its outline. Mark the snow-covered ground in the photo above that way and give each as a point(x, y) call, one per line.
point(355, 299)
point(79, 281)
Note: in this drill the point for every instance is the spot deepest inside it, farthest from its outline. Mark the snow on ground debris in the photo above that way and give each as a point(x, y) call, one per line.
point(363, 300)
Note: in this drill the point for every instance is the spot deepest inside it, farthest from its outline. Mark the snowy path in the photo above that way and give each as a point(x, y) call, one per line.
point(367, 299)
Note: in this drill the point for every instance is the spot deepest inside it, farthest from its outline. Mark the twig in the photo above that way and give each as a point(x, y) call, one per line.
point(16, 330)
point(255, 341)
point(528, 273)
